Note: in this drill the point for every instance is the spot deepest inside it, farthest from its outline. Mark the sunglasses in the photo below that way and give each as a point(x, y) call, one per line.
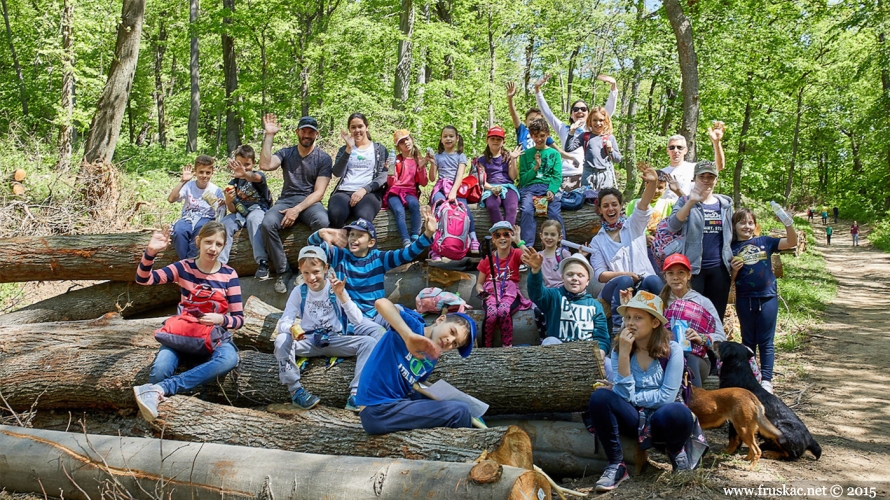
point(676, 148)
point(575, 109)
point(503, 234)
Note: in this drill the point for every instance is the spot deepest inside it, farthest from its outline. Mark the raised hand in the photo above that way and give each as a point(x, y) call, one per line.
point(576, 125)
point(607, 79)
point(339, 288)
point(236, 168)
point(347, 138)
point(673, 183)
point(516, 153)
point(532, 259)
point(517, 236)
point(541, 81)
point(422, 347)
point(430, 224)
point(715, 131)
point(186, 173)
point(697, 196)
point(648, 174)
point(511, 89)
point(624, 296)
point(159, 241)
point(270, 124)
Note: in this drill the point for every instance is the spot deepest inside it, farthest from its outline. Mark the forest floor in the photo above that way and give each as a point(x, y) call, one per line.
point(838, 381)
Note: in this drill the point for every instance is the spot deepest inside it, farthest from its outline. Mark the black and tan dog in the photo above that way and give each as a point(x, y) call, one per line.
point(744, 412)
point(796, 438)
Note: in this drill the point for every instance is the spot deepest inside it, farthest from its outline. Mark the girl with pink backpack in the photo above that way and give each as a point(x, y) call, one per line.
point(450, 166)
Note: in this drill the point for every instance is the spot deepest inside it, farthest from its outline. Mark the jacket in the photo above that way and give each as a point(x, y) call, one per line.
point(693, 229)
point(583, 319)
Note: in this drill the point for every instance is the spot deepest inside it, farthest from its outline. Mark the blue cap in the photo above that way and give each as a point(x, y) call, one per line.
point(465, 350)
point(363, 225)
point(500, 225)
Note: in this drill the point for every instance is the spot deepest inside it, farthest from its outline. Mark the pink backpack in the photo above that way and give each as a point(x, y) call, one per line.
point(452, 237)
point(435, 300)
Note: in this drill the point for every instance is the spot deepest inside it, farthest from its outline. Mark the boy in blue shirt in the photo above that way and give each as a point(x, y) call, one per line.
point(405, 355)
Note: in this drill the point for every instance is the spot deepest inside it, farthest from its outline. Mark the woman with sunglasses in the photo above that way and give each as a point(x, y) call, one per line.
point(572, 169)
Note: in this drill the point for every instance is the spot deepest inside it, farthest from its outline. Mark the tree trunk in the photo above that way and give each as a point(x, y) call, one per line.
point(422, 77)
point(206, 471)
point(794, 144)
point(682, 27)
point(527, 73)
point(160, 43)
point(230, 68)
point(570, 79)
point(630, 147)
point(445, 14)
point(334, 432)
point(404, 61)
point(740, 161)
point(115, 256)
point(20, 80)
point(106, 125)
point(195, 90)
point(491, 67)
point(66, 128)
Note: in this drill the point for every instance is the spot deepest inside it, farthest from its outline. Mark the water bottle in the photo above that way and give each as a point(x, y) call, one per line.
point(781, 214)
point(391, 162)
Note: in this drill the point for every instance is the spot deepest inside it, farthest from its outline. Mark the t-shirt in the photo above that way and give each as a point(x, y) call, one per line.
point(712, 237)
point(252, 193)
point(524, 138)
point(448, 164)
point(661, 209)
point(300, 173)
point(391, 369)
point(504, 269)
point(318, 313)
point(684, 173)
point(195, 205)
point(497, 170)
point(854, 229)
point(627, 255)
point(550, 268)
point(359, 169)
point(828, 230)
point(550, 172)
point(756, 278)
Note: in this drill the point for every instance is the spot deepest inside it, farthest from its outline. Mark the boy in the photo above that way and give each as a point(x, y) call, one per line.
point(828, 231)
point(327, 316)
point(540, 174)
point(247, 199)
point(523, 138)
point(406, 355)
point(572, 313)
point(361, 265)
point(201, 199)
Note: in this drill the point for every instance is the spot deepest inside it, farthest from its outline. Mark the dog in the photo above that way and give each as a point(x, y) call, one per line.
point(796, 438)
point(744, 412)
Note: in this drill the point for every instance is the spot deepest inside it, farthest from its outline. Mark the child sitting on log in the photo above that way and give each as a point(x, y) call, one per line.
point(327, 318)
point(201, 202)
point(405, 355)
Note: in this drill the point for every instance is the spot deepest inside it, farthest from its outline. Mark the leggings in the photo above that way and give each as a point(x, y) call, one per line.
point(339, 211)
point(499, 314)
point(714, 283)
point(757, 320)
point(510, 203)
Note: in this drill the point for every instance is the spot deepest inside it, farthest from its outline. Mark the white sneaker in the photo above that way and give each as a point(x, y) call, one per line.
point(767, 385)
point(148, 397)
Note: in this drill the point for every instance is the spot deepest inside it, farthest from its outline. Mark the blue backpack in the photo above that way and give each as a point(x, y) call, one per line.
point(348, 328)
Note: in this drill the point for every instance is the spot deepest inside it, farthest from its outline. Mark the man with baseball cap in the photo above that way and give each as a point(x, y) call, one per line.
point(307, 172)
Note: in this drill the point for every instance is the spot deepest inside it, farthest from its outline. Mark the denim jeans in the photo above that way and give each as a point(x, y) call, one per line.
point(252, 223)
point(415, 413)
point(184, 237)
point(223, 360)
point(527, 225)
point(398, 211)
point(612, 292)
point(757, 320)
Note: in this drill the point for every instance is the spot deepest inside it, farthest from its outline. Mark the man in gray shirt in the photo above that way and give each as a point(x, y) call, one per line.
point(307, 172)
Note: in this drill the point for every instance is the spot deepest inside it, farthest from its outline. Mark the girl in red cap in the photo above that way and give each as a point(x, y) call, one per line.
point(499, 170)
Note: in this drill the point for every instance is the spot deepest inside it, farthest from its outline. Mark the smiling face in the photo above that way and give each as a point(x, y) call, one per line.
point(705, 182)
point(745, 227)
point(313, 271)
point(210, 246)
point(359, 242)
point(449, 139)
point(502, 238)
point(676, 149)
point(405, 146)
point(540, 138)
point(575, 278)
point(677, 277)
point(359, 130)
point(550, 237)
point(597, 122)
point(307, 136)
point(579, 111)
point(203, 174)
point(449, 335)
point(610, 208)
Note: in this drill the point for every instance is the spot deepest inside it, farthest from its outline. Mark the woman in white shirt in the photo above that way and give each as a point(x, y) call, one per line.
point(361, 167)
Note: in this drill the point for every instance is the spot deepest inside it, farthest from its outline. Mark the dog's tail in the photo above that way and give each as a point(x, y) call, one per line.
point(814, 448)
point(767, 429)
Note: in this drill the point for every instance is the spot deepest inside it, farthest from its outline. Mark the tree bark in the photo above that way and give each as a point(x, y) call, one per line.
point(630, 147)
point(114, 257)
point(195, 90)
point(66, 129)
point(230, 68)
point(402, 81)
point(106, 125)
point(740, 161)
point(682, 27)
point(492, 65)
point(527, 73)
point(207, 471)
point(20, 80)
point(794, 145)
point(570, 79)
point(160, 45)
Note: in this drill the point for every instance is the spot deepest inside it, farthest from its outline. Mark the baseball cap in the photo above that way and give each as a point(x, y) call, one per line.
point(575, 259)
point(399, 135)
point(705, 167)
point(677, 258)
point(363, 225)
point(308, 122)
point(496, 132)
point(500, 225)
point(465, 350)
point(313, 251)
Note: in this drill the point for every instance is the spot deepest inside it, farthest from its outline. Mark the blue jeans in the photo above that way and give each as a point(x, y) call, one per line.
point(612, 292)
point(223, 360)
point(419, 413)
point(671, 425)
point(184, 237)
point(757, 320)
point(252, 223)
point(398, 211)
point(528, 228)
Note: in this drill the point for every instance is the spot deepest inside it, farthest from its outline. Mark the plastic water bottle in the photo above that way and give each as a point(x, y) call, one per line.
point(781, 214)
point(391, 162)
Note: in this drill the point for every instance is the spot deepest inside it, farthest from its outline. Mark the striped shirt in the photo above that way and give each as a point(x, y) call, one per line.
point(364, 275)
point(186, 274)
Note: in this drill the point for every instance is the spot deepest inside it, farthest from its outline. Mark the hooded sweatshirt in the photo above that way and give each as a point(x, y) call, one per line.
point(570, 317)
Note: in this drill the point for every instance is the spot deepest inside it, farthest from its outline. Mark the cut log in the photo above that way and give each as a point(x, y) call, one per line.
point(19, 175)
point(17, 188)
point(334, 432)
point(70, 465)
point(114, 257)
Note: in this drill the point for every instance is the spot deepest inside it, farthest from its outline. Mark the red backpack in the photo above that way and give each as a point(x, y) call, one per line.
point(184, 333)
point(452, 237)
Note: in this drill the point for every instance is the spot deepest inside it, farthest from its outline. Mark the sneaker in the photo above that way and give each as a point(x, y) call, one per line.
point(767, 386)
point(148, 397)
point(350, 404)
point(523, 268)
point(303, 399)
point(680, 462)
point(262, 270)
point(282, 281)
point(474, 245)
point(614, 475)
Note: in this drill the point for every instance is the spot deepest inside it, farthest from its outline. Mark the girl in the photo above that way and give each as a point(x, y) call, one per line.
point(621, 260)
point(854, 231)
point(450, 165)
point(361, 167)
point(203, 272)
point(499, 170)
point(410, 174)
point(642, 400)
point(705, 221)
point(498, 285)
point(684, 303)
point(757, 302)
point(553, 253)
point(600, 150)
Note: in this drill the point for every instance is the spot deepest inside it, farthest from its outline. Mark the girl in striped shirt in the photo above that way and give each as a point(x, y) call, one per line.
point(191, 274)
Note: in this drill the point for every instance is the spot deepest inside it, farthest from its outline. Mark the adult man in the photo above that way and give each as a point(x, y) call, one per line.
point(307, 172)
point(681, 170)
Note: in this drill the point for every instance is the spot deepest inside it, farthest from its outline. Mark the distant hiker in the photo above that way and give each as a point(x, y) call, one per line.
point(202, 202)
point(836, 212)
point(854, 231)
point(828, 231)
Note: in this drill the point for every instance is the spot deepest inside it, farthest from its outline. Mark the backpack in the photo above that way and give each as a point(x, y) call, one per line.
point(452, 237)
point(666, 242)
point(574, 199)
point(685, 384)
point(436, 300)
point(471, 186)
point(348, 328)
point(184, 333)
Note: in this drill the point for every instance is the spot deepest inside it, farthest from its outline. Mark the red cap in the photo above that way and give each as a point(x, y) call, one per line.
point(496, 132)
point(677, 258)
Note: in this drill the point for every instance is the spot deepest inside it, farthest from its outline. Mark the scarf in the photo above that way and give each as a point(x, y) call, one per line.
point(613, 227)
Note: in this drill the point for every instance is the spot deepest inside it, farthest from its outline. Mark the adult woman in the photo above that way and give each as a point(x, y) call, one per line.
point(705, 221)
point(205, 274)
point(361, 167)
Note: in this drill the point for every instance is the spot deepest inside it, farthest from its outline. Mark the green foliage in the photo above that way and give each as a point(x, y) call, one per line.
point(879, 236)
